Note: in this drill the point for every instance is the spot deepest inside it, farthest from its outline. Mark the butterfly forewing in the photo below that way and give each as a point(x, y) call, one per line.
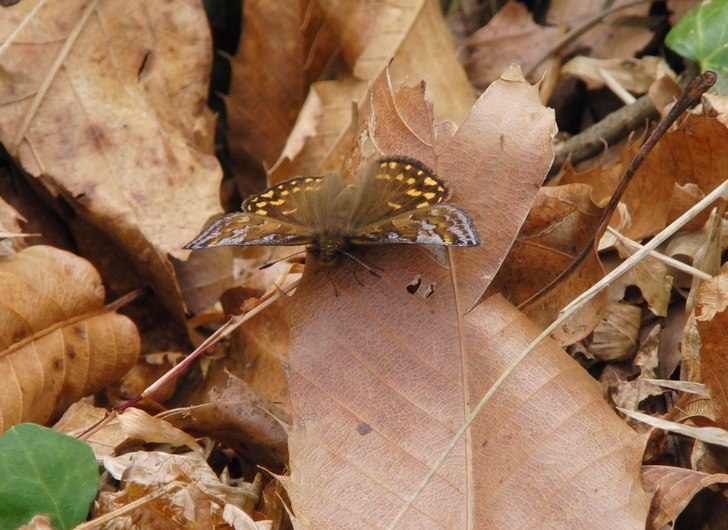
point(250, 229)
point(303, 201)
point(392, 186)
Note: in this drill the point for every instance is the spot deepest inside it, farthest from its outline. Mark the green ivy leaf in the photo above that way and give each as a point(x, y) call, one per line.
point(45, 472)
point(702, 37)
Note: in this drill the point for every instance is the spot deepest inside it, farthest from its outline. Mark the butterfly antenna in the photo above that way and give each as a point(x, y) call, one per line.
point(270, 263)
point(360, 262)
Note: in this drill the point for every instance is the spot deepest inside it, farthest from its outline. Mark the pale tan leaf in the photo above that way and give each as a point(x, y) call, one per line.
point(176, 491)
point(634, 75)
point(650, 276)
point(92, 114)
point(615, 338)
point(137, 424)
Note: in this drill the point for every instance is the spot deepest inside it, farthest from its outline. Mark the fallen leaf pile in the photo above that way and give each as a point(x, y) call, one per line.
point(399, 399)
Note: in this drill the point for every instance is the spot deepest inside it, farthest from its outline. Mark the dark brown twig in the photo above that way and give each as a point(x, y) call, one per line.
point(691, 96)
point(612, 128)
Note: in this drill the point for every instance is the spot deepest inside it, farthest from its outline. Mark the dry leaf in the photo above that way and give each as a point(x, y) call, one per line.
point(258, 348)
point(36, 219)
point(614, 37)
point(242, 420)
point(561, 223)
point(181, 491)
point(693, 153)
point(674, 488)
point(711, 322)
point(373, 424)
point(60, 343)
point(125, 169)
point(634, 75)
point(76, 421)
point(687, 246)
point(137, 424)
point(615, 338)
point(511, 36)
point(413, 35)
point(650, 276)
point(269, 79)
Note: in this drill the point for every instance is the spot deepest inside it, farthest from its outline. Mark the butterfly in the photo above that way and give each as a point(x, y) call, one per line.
point(393, 200)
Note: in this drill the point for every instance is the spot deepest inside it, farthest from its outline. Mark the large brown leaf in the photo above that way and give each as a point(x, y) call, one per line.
point(384, 371)
point(58, 343)
point(95, 112)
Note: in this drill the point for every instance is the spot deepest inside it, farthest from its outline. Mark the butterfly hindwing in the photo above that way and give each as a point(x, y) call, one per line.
point(241, 228)
point(443, 224)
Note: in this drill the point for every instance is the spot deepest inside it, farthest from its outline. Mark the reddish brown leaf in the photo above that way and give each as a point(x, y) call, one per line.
point(242, 420)
point(635, 75)
point(560, 224)
point(510, 37)
point(381, 379)
point(711, 323)
point(674, 488)
point(268, 83)
point(687, 164)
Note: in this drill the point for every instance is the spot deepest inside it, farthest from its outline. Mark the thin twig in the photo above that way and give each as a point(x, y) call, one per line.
point(691, 96)
point(667, 260)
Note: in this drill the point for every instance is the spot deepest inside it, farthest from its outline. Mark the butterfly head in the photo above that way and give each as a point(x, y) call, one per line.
point(328, 249)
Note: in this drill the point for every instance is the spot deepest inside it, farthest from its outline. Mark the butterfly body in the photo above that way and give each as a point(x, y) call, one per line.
point(394, 200)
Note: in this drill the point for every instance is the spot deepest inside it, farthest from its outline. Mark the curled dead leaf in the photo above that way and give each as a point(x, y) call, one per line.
point(60, 344)
point(674, 488)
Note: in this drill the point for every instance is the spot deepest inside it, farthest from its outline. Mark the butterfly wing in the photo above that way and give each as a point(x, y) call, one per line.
point(242, 228)
point(392, 186)
point(303, 201)
point(443, 224)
